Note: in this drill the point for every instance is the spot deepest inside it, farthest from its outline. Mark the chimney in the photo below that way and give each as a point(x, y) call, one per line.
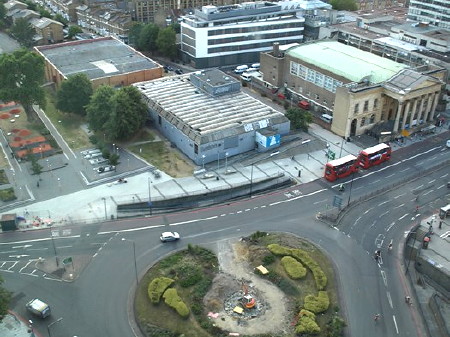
point(276, 49)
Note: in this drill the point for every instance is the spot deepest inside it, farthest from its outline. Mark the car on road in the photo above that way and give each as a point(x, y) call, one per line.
point(448, 144)
point(104, 169)
point(179, 71)
point(169, 236)
point(38, 308)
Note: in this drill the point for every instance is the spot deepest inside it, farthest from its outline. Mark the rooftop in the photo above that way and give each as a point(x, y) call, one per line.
point(96, 58)
point(204, 117)
point(346, 61)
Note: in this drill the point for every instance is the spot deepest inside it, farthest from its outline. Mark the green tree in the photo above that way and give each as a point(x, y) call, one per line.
point(45, 13)
point(21, 77)
point(299, 118)
point(166, 42)
point(74, 94)
point(60, 18)
point(344, 5)
point(100, 107)
point(23, 32)
point(148, 38)
point(129, 113)
point(176, 27)
point(134, 34)
point(74, 30)
point(2, 14)
point(35, 166)
point(5, 298)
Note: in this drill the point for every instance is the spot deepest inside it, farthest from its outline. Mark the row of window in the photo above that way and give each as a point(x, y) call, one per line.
point(254, 37)
point(367, 121)
point(240, 47)
point(315, 77)
point(366, 106)
point(255, 29)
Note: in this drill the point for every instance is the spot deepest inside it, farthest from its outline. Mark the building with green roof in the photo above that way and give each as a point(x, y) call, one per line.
point(351, 91)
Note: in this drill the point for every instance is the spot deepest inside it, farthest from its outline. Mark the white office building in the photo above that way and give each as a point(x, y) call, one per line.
point(436, 12)
point(236, 34)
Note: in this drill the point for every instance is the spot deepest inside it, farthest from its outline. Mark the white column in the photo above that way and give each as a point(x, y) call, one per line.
point(397, 116)
point(420, 115)
point(405, 113)
point(413, 112)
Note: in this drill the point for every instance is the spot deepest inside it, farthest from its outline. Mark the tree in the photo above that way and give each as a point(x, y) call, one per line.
point(58, 17)
point(100, 107)
point(2, 14)
point(74, 94)
point(134, 34)
point(299, 118)
point(129, 113)
point(74, 30)
point(148, 38)
point(21, 77)
point(23, 32)
point(5, 298)
point(166, 42)
point(344, 5)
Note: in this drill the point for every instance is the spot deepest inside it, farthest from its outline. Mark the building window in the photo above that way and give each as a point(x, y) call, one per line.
point(366, 105)
point(159, 120)
point(195, 148)
point(363, 121)
point(356, 108)
point(372, 119)
point(375, 103)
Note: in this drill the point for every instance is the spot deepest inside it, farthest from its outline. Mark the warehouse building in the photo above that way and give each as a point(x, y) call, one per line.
point(207, 116)
point(358, 90)
point(104, 61)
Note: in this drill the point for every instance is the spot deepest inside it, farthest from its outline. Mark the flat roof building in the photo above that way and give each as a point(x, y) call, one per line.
point(207, 116)
point(103, 60)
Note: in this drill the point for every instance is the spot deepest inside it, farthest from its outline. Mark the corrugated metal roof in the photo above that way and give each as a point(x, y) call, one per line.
point(346, 61)
point(204, 118)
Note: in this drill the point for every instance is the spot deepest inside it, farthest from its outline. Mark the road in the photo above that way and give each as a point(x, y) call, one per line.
point(98, 302)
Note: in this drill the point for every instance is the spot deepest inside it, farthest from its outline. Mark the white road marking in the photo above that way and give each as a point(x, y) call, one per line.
point(390, 299)
point(390, 226)
point(398, 196)
point(383, 214)
point(403, 216)
point(395, 323)
point(431, 181)
point(430, 191)
point(400, 206)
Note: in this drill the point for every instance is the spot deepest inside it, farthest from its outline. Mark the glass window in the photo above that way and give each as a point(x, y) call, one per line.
point(311, 75)
point(372, 119)
point(366, 105)
point(318, 80)
point(363, 121)
point(302, 71)
point(375, 103)
point(356, 108)
point(328, 83)
point(294, 68)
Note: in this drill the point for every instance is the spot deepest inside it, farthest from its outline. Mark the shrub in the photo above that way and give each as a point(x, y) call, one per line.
point(3, 177)
point(154, 331)
point(287, 287)
point(201, 288)
point(307, 323)
point(294, 269)
point(268, 259)
point(171, 260)
point(174, 301)
point(255, 236)
point(7, 194)
point(189, 275)
point(335, 327)
point(157, 287)
point(317, 304)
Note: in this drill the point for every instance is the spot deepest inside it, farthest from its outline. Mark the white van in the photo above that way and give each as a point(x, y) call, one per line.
point(241, 69)
point(38, 308)
point(256, 66)
point(326, 118)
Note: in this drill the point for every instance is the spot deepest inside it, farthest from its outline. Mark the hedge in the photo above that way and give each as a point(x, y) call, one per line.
point(157, 287)
point(174, 301)
point(307, 323)
point(305, 259)
point(317, 304)
point(293, 268)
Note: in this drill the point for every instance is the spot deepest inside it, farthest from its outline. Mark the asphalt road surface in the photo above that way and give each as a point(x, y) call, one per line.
point(98, 303)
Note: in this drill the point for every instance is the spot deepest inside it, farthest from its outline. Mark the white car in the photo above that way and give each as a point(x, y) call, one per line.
point(169, 236)
point(100, 160)
point(103, 169)
point(448, 144)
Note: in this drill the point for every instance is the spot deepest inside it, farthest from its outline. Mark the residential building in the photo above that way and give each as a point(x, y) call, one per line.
point(436, 12)
point(236, 34)
point(66, 8)
point(47, 30)
point(104, 61)
point(360, 90)
point(207, 116)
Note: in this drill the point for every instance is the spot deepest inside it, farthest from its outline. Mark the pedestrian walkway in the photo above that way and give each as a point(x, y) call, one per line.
point(14, 326)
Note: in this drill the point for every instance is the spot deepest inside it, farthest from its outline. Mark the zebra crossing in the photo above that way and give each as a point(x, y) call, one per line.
point(25, 267)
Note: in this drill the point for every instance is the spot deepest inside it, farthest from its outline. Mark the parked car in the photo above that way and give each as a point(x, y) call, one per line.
point(179, 71)
point(104, 169)
point(90, 151)
point(448, 144)
point(169, 236)
point(92, 155)
point(38, 308)
point(99, 160)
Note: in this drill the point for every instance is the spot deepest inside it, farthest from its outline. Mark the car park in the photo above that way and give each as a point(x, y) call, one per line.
point(104, 169)
point(169, 236)
point(179, 71)
point(93, 155)
point(38, 308)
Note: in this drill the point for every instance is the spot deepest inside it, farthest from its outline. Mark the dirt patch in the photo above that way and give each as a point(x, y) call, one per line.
point(5, 116)
point(237, 276)
point(24, 133)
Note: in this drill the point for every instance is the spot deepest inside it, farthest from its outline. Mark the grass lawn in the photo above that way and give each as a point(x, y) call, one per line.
point(68, 125)
point(7, 194)
point(3, 177)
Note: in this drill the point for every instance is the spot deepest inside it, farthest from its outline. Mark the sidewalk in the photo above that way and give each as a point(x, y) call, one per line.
point(15, 326)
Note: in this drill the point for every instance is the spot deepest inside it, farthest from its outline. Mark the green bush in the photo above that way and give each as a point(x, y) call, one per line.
point(258, 234)
point(171, 260)
point(268, 259)
point(3, 177)
point(202, 287)
point(287, 287)
point(307, 323)
point(189, 275)
point(294, 269)
point(335, 327)
point(157, 287)
point(174, 301)
point(7, 194)
point(317, 304)
point(154, 331)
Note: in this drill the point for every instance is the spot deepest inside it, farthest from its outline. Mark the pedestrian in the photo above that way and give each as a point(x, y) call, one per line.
point(417, 209)
point(440, 224)
point(37, 184)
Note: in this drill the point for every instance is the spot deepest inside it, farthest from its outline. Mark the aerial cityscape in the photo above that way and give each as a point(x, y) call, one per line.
point(212, 169)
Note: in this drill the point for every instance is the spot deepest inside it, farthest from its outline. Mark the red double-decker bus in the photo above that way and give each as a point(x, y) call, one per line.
point(374, 155)
point(341, 167)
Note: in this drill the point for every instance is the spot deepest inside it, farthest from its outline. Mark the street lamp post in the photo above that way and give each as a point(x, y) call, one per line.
point(203, 161)
point(134, 255)
point(226, 161)
point(150, 195)
point(50, 325)
point(251, 181)
point(104, 203)
point(218, 160)
point(350, 192)
point(54, 246)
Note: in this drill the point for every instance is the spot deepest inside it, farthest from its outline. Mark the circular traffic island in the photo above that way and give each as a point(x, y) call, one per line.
point(262, 285)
